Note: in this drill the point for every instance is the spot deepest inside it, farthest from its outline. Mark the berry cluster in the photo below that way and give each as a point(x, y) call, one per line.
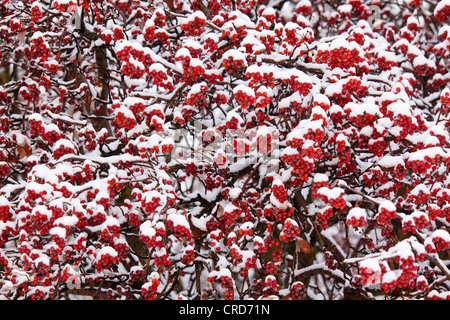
point(197, 96)
point(62, 149)
point(441, 239)
point(340, 57)
point(133, 69)
point(194, 24)
point(150, 237)
point(161, 258)
point(389, 281)
point(245, 96)
point(297, 291)
point(386, 212)
point(442, 11)
point(289, 231)
point(233, 62)
point(5, 211)
point(357, 218)
point(330, 260)
point(137, 274)
point(188, 255)
point(126, 121)
point(241, 146)
point(271, 268)
point(181, 231)
point(424, 69)
point(106, 258)
point(335, 197)
point(158, 74)
point(30, 91)
point(323, 216)
point(271, 286)
point(278, 214)
point(4, 169)
point(149, 289)
point(36, 12)
point(225, 280)
point(260, 76)
point(299, 85)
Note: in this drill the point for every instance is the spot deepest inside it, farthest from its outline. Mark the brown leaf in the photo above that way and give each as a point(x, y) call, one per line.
point(21, 37)
point(196, 231)
point(170, 4)
point(302, 245)
point(12, 159)
point(23, 150)
point(219, 211)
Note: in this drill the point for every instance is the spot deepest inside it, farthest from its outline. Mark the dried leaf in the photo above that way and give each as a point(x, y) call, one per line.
point(219, 211)
point(23, 150)
point(21, 37)
point(287, 297)
point(196, 231)
point(302, 245)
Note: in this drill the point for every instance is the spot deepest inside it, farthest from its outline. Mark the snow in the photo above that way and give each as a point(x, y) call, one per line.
point(4, 202)
point(192, 44)
point(110, 222)
point(67, 221)
point(254, 42)
point(388, 205)
point(224, 272)
point(341, 42)
point(333, 193)
point(200, 223)
point(102, 194)
point(399, 108)
point(42, 259)
point(235, 54)
point(320, 177)
point(58, 231)
point(389, 161)
point(197, 88)
point(427, 152)
point(246, 226)
point(336, 109)
point(389, 277)
point(195, 15)
point(244, 89)
point(178, 220)
point(157, 67)
point(371, 264)
point(342, 138)
point(421, 60)
point(357, 213)
point(66, 143)
point(183, 52)
point(195, 62)
point(64, 1)
point(356, 109)
point(442, 234)
point(146, 229)
point(321, 98)
point(297, 74)
point(107, 250)
point(234, 193)
point(441, 5)
point(420, 188)
point(37, 34)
